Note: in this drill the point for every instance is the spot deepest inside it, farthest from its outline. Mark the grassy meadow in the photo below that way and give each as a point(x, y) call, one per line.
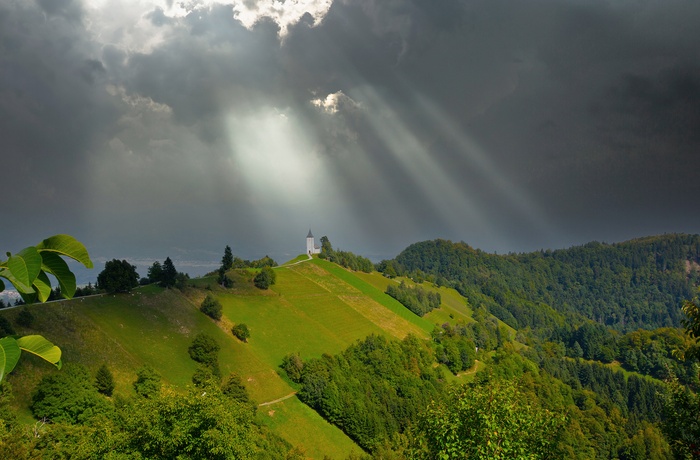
point(315, 307)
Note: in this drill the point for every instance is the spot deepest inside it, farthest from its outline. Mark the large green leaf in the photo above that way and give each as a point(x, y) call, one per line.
point(11, 354)
point(2, 285)
point(24, 267)
point(68, 246)
point(41, 347)
point(58, 267)
point(42, 287)
point(21, 288)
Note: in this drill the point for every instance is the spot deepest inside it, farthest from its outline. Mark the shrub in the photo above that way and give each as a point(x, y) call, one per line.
point(147, 382)
point(241, 331)
point(211, 307)
point(266, 278)
point(293, 366)
point(205, 349)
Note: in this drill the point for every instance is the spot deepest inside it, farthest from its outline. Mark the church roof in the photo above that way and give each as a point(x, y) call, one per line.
point(309, 235)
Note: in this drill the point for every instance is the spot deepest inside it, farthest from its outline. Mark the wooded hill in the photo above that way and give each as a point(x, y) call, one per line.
point(626, 286)
point(335, 368)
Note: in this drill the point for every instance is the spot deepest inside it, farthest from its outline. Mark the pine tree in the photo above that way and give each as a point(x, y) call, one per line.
point(169, 274)
point(227, 260)
point(104, 381)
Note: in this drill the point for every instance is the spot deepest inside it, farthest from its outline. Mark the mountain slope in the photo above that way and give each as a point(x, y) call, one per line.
point(316, 307)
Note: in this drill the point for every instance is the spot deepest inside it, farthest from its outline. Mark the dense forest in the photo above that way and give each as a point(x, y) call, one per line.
point(626, 286)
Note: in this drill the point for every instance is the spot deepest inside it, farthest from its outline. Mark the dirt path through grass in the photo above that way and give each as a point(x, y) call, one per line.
point(278, 399)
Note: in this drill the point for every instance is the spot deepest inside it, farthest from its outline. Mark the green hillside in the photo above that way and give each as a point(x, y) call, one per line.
point(338, 369)
point(314, 308)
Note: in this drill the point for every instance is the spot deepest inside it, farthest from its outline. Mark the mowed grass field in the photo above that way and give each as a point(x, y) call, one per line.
point(315, 307)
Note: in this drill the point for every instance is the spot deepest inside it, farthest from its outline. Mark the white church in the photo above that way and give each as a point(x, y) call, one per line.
point(311, 246)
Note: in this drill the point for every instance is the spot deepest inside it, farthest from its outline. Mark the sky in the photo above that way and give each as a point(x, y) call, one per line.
point(154, 129)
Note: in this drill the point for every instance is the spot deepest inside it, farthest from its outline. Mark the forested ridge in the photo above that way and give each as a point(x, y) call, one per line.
point(626, 286)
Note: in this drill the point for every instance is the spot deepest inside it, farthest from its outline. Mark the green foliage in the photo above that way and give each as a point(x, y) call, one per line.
point(454, 348)
point(118, 276)
point(211, 307)
point(68, 396)
point(181, 280)
point(266, 278)
point(148, 382)
point(227, 259)
point(682, 420)
point(104, 381)
point(27, 270)
point(344, 258)
point(25, 318)
point(169, 274)
point(155, 272)
point(241, 331)
point(415, 298)
point(205, 350)
point(293, 366)
point(12, 348)
point(203, 377)
point(493, 421)
point(682, 405)
point(223, 279)
point(654, 353)
point(233, 388)
point(691, 323)
point(626, 286)
point(374, 389)
point(197, 425)
point(266, 261)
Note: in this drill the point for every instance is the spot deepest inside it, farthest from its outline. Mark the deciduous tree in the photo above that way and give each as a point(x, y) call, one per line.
point(147, 382)
point(118, 276)
point(241, 331)
point(211, 307)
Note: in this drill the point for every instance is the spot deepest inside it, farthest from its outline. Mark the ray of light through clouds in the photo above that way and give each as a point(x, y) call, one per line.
point(154, 128)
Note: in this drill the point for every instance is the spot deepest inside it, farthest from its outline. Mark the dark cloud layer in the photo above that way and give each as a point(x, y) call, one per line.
point(509, 125)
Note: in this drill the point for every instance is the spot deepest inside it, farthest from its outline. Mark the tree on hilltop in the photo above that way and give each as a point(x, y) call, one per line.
point(227, 259)
point(155, 272)
point(169, 275)
point(118, 276)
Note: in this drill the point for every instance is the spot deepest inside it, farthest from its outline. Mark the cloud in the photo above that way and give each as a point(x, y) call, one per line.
point(156, 124)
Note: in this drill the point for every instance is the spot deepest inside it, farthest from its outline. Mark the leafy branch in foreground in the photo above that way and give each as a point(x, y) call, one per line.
point(27, 271)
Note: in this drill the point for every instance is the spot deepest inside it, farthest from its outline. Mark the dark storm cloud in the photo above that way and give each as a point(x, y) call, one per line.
point(51, 112)
point(510, 125)
point(589, 107)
